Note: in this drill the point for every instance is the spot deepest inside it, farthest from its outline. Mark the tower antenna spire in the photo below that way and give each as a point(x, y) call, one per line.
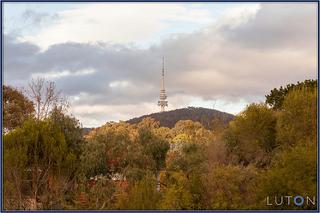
point(162, 99)
point(162, 65)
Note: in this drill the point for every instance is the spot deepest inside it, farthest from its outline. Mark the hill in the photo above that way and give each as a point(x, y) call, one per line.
point(203, 115)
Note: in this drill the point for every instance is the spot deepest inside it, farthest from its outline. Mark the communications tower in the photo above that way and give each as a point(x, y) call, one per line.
point(162, 100)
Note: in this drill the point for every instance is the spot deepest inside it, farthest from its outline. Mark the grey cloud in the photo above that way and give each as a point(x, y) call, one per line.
point(286, 25)
point(18, 56)
point(275, 47)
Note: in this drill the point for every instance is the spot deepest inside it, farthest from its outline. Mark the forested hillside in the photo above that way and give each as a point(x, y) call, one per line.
point(266, 152)
point(198, 114)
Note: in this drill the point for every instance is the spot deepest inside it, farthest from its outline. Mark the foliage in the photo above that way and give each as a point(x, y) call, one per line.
point(263, 151)
point(143, 195)
point(16, 108)
point(176, 195)
point(293, 172)
point(276, 97)
point(153, 146)
point(100, 194)
point(298, 119)
point(94, 159)
point(191, 158)
point(45, 155)
point(251, 136)
point(106, 150)
point(231, 187)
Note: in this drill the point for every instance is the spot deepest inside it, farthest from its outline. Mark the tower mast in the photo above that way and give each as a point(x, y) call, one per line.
point(162, 100)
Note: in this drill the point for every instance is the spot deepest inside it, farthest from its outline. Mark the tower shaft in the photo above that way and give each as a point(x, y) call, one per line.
point(162, 99)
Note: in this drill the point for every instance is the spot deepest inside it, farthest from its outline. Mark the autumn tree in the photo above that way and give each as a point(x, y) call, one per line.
point(114, 140)
point(143, 195)
point(231, 187)
point(16, 108)
point(176, 194)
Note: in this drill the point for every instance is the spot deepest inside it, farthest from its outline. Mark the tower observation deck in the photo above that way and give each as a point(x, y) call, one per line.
point(162, 99)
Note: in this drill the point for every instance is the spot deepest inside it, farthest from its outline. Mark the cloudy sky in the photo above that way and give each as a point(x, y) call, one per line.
point(106, 57)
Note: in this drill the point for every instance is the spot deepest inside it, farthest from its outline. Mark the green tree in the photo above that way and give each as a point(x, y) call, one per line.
point(153, 146)
point(251, 136)
point(276, 97)
point(16, 108)
point(15, 163)
point(93, 160)
point(113, 140)
point(298, 119)
point(70, 127)
point(192, 158)
point(45, 155)
point(293, 172)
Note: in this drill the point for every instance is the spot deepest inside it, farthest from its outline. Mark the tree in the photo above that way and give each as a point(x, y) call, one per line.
point(143, 195)
point(276, 97)
point(94, 159)
point(45, 156)
point(176, 195)
point(217, 152)
point(47, 162)
point(194, 131)
point(16, 108)
point(192, 158)
point(114, 140)
point(15, 163)
point(155, 148)
point(231, 187)
point(293, 172)
point(45, 97)
point(251, 136)
point(101, 193)
point(71, 128)
point(298, 119)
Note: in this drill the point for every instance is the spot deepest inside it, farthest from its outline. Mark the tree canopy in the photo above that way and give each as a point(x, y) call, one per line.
point(267, 150)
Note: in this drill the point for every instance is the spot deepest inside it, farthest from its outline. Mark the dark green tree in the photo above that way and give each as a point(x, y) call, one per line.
point(276, 97)
point(47, 161)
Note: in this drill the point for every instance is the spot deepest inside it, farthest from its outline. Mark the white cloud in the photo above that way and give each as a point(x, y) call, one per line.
point(235, 16)
point(117, 23)
point(96, 115)
point(53, 75)
point(119, 84)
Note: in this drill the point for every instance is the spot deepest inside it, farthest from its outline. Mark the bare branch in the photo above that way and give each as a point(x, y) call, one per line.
point(45, 97)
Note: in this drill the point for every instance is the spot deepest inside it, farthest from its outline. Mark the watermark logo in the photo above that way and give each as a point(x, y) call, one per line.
point(291, 200)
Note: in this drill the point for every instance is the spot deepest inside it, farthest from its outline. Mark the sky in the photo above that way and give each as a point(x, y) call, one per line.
point(106, 58)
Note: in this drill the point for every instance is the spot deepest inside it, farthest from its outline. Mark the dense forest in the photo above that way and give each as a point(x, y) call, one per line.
point(265, 156)
point(206, 117)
